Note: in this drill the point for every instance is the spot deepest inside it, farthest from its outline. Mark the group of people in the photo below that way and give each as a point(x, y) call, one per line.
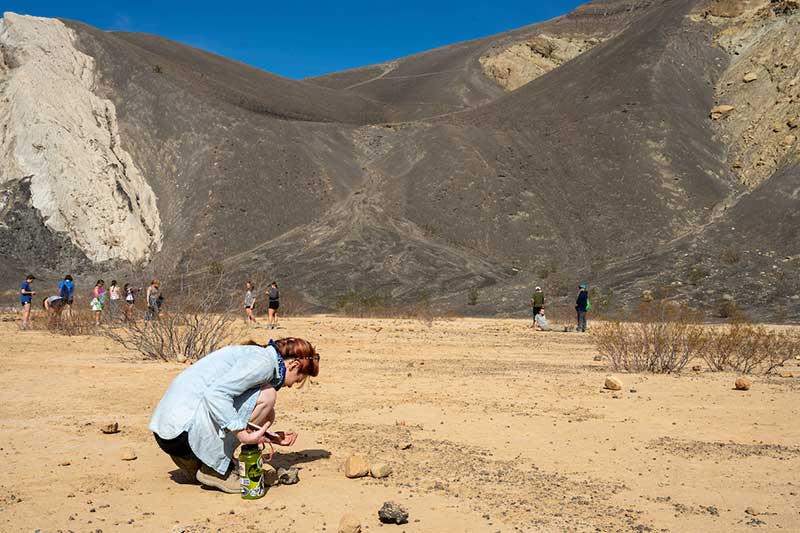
point(540, 323)
point(115, 301)
point(228, 397)
point(273, 303)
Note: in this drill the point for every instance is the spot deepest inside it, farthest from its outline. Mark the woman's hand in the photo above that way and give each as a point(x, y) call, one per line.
point(252, 436)
point(285, 438)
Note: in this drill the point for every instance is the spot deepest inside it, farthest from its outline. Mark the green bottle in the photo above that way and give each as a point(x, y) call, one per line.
point(251, 471)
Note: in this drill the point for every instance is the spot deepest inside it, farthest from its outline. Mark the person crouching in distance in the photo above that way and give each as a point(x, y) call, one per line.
point(53, 307)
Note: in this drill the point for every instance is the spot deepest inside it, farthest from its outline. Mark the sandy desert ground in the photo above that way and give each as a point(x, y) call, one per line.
point(509, 430)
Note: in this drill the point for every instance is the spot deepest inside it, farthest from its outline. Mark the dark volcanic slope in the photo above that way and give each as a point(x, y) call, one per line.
point(451, 78)
point(236, 156)
point(214, 77)
point(622, 159)
point(607, 169)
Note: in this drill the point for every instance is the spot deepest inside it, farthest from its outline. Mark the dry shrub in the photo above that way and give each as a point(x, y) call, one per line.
point(747, 348)
point(370, 305)
point(730, 256)
point(189, 326)
point(79, 322)
point(360, 304)
point(663, 339)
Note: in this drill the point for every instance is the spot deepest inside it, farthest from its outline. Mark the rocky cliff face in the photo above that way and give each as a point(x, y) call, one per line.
point(63, 141)
point(523, 62)
point(761, 88)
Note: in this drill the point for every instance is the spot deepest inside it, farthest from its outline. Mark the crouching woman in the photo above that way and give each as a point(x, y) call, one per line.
point(204, 415)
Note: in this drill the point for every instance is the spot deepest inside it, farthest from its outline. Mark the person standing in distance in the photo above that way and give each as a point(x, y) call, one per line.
point(151, 297)
point(26, 294)
point(249, 302)
point(115, 298)
point(537, 303)
point(582, 306)
point(66, 289)
point(98, 300)
point(274, 303)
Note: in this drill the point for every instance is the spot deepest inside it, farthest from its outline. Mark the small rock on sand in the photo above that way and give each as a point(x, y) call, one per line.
point(380, 470)
point(785, 374)
point(108, 429)
point(404, 445)
point(597, 358)
point(288, 476)
point(749, 76)
point(181, 359)
point(752, 511)
point(127, 454)
point(349, 524)
point(717, 112)
point(356, 466)
point(270, 475)
point(392, 513)
point(613, 383)
point(697, 368)
point(743, 384)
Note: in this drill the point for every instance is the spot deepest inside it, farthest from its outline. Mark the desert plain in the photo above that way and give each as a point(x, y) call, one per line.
point(488, 426)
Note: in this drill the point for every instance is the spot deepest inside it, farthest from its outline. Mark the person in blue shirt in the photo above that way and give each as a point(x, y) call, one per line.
point(214, 405)
point(581, 306)
point(66, 289)
point(26, 294)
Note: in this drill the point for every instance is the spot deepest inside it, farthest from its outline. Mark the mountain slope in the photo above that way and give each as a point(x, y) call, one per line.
point(577, 149)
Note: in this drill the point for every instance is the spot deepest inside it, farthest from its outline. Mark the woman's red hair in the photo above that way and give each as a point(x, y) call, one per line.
point(292, 348)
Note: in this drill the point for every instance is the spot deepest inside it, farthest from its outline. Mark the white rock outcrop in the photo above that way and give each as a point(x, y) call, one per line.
point(62, 136)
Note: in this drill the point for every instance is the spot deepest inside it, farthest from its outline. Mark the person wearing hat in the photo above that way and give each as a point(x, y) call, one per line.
point(26, 294)
point(582, 306)
point(537, 303)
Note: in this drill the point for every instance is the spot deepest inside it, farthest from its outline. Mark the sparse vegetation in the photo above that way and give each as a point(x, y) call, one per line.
point(157, 68)
point(360, 304)
point(730, 256)
point(662, 340)
point(696, 274)
point(79, 322)
point(726, 308)
point(191, 327)
point(748, 348)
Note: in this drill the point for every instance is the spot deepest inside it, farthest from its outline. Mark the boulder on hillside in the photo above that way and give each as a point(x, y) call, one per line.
point(720, 111)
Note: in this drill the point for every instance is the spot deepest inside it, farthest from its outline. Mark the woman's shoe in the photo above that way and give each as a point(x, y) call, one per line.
point(228, 483)
point(189, 467)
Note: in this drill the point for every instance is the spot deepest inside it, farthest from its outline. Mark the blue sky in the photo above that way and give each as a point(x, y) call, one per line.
point(300, 39)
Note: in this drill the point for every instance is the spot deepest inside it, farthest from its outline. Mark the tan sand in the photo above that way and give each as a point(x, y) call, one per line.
point(509, 430)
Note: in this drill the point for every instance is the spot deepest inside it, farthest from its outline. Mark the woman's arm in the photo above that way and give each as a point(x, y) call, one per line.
point(249, 373)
